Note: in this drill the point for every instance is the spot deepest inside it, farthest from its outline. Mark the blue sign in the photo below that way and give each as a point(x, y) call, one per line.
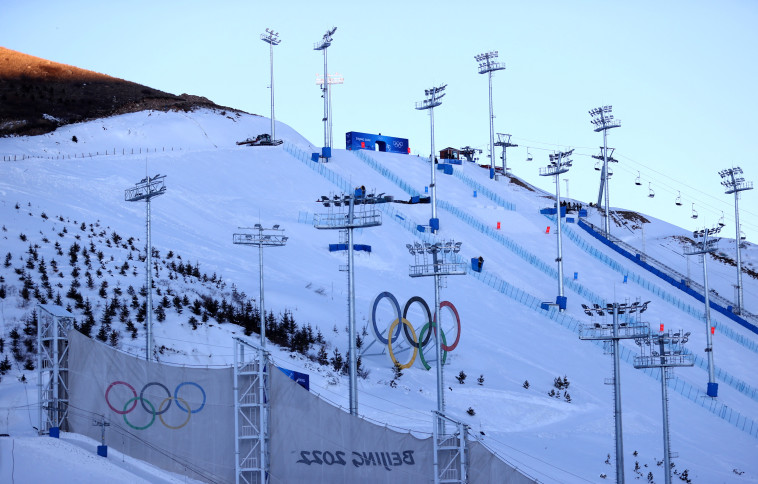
point(376, 142)
point(301, 379)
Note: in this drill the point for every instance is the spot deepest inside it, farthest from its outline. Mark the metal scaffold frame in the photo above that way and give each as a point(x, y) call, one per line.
point(53, 326)
point(251, 413)
point(450, 451)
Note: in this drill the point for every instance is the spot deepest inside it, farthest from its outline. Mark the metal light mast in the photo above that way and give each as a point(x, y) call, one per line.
point(704, 247)
point(664, 351)
point(147, 189)
point(264, 237)
point(433, 99)
point(603, 121)
point(272, 39)
point(504, 140)
point(324, 44)
point(348, 212)
point(613, 333)
point(559, 164)
point(736, 184)
point(331, 79)
point(487, 65)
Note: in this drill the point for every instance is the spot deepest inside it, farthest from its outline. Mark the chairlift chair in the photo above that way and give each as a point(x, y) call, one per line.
point(694, 212)
point(528, 155)
point(678, 200)
point(650, 192)
point(597, 166)
point(637, 180)
point(721, 220)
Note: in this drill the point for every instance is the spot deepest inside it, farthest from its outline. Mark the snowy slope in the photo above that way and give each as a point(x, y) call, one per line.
point(215, 186)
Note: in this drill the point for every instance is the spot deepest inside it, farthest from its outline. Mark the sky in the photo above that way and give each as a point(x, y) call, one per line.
point(680, 76)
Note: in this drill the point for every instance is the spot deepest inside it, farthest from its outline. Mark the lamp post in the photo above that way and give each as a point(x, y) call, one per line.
point(704, 246)
point(736, 184)
point(433, 99)
point(488, 65)
point(323, 45)
point(559, 164)
point(613, 333)
point(272, 39)
point(147, 189)
point(261, 237)
point(603, 121)
point(331, 79)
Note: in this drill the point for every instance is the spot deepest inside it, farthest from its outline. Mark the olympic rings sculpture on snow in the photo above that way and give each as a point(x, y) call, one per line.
point(424, 336)
point(148, 406)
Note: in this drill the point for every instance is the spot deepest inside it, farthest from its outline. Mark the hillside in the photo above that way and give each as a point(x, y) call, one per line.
point(214, 187)
point(37, 95)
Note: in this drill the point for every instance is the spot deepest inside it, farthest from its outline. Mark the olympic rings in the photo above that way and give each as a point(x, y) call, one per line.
point(417, 343)
point(149, 407)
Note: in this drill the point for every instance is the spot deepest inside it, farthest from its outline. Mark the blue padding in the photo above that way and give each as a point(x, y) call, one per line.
point(420, 228)
point(440, 166)
point(561, 302)
point(415, 199)
point(583, 213)
point(434, 223)
point(475, 264)
point(545, 306)
point(102, 450)
point(492, 173)
point(363, 247)
point(314, 157)
point(336, 247)
point(570, 220)
point(448, 169)
point(55, 432)
point(576, 276)
point(326, 152)
point(713, 390)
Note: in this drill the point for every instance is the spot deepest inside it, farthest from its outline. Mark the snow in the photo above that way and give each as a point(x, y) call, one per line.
point(214, 187)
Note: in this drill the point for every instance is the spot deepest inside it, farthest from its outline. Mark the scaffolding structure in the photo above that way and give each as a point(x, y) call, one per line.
point(450, 451)
point(54, 323)
point(251, 413)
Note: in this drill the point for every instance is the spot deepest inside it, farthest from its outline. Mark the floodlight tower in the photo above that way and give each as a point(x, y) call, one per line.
point(488, 65)
point(704, 246)
point(559, 163)
point(504, 140)
point(331, 79)
point(443, 263)
point(261, 237)
point(664, 351)
point(347, 212)
point(272, 39)
point(736, 184)
point(147, 189)
point(613, 333)
point(433, 99)
point(324, 44)
point(603, 121)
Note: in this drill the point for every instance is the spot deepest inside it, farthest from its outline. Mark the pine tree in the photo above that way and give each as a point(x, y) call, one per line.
point(461, 377)
point(471, 411)
point(526, 384)
point(480, 380)
point(336, 360)
point(322, 358)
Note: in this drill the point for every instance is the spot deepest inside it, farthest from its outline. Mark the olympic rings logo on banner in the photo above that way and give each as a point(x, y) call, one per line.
point(148, 406)
point(424, 336)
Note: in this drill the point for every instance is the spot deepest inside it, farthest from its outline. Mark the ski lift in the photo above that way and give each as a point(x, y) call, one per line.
point(694, 212)
point(679, 200)
point(721, 220)
point(743, 244)
point(637, 180)
point(597, 166)
point(651, 193)
point(528, 155)
point(610, 171)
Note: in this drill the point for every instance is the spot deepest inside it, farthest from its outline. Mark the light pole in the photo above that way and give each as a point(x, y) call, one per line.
point(331, 79)
point(433, 99)
point(487, 65)
point(504, 140)
point(348, 212)
point(736, 184)
point(272, 39)
point(559, 164)
point(664, 351)
point(261, 237)
point(703, 248)
point(324, 44)
point(603, 121)
point(147, 189)
point(613, 333)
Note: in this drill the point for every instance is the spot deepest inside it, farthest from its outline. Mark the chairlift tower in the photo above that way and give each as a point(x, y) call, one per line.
point(272, 39)
point(703, 246)
point(261, 237)
point(488, 65)
point(613, 333)
point(443, 263)
point(559, 163)
point(147, 189)
point(347, 212)
point(323, 45)
point(335, 78)
point(664, 350)
point(504, 140)
point(736, 184)
point(433, 99)
point(603, 121)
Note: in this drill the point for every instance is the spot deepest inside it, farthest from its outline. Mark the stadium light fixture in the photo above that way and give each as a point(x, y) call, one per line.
point(488, 65)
